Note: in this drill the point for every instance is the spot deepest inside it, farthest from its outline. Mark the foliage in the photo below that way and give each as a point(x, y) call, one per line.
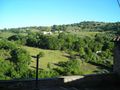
point(71, 67)
point(97, 49)
point(4, 44)
point(13, 61)
point(40, 54)
point(20, 39)
point(44, 74)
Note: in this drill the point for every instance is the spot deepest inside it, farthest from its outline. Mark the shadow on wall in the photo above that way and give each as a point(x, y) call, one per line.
point(96, 81)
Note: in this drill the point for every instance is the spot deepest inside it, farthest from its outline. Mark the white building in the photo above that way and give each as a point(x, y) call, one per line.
point(45, 32)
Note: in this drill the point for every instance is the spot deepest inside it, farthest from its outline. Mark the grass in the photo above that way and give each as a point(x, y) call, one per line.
point(55, 56)
point(85, 33)
point(87, 68)
point(51, 56)
point(6, 34)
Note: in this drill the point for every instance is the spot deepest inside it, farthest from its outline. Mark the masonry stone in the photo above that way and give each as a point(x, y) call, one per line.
point(116, 67)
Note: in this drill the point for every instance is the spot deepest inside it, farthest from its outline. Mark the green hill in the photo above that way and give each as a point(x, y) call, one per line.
point(55, 56)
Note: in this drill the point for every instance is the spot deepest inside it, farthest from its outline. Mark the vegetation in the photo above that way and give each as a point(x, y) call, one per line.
point(14, 60)
point(73, 49)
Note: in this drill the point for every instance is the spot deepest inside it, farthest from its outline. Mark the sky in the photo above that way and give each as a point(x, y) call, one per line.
point(22, 13)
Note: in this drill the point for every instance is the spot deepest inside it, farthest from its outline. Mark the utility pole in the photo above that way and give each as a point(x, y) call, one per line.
point(41, 54)
point(37, 66)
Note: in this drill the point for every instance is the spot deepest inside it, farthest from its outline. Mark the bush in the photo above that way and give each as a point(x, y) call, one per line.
point(7, 45)
point(44, 74)
point(19, 39)
point(71, 67)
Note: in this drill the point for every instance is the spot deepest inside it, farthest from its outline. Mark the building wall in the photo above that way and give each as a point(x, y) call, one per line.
point(116, 67)
point(99, 80)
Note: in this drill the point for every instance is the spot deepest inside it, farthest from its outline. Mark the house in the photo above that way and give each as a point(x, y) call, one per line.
point(47, 33)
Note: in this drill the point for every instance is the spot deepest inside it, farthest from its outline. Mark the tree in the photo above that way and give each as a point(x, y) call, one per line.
point(32, 40)
point(4, 44)
point(21, 59)
point(20, 39)
point(40, 54)
point(14, 37)
point(5, 66)
point(71, 67)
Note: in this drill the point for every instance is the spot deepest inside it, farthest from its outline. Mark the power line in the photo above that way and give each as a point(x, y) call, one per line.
point(118, 3)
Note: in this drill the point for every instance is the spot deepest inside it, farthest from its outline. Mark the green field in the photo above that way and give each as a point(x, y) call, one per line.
point(88, 33)
point(51, 56)
point(6, 34)
point(85, 33)
point(55, 56)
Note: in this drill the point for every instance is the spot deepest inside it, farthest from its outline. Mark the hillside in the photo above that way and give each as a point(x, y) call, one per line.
point(71, 49)
point(52, 57)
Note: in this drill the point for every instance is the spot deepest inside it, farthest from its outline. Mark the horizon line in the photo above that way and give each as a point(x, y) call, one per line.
point(56, 24)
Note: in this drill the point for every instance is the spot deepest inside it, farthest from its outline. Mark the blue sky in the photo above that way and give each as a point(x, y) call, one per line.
point(21, 13)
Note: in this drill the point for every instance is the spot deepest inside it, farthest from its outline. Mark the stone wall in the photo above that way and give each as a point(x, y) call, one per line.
point(100, 80)
point(116, 67)
point(29, 84)
point(95, 80)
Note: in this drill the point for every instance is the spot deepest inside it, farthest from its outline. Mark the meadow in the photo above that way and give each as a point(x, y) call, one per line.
point(52, 57)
